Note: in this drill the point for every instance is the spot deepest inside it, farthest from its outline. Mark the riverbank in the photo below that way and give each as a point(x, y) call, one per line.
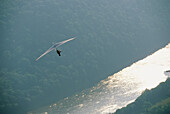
point(154, 101)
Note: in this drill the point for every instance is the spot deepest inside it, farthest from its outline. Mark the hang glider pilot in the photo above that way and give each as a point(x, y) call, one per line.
point(58, 52)
point(54, 47)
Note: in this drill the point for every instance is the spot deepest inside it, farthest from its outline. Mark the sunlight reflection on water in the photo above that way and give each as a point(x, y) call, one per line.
point(119, 89)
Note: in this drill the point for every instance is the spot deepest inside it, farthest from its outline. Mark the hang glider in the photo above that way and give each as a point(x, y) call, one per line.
point(54, 47)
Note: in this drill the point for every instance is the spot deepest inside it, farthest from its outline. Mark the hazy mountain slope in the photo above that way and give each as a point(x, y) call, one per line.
point(110, 35)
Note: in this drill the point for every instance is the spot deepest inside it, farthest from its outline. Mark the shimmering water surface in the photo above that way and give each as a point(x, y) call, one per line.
point(117, 90)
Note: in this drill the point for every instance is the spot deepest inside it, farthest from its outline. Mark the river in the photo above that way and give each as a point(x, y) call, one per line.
point(117, 90)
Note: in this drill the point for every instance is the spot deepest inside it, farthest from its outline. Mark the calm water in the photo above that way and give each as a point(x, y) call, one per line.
point(117, 90)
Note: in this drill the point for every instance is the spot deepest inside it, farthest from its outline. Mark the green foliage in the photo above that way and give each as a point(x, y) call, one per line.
point(162, 107)
point(155, 101)
point(110, 36)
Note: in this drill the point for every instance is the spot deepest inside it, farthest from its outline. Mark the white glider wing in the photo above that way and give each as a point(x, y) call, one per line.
point(53, 47)
point(50, 49)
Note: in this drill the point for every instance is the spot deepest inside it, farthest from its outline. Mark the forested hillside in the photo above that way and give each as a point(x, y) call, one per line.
point(155, 101)
point(110, 35)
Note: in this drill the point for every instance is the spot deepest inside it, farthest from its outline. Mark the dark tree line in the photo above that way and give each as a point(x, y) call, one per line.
point(155, 101)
